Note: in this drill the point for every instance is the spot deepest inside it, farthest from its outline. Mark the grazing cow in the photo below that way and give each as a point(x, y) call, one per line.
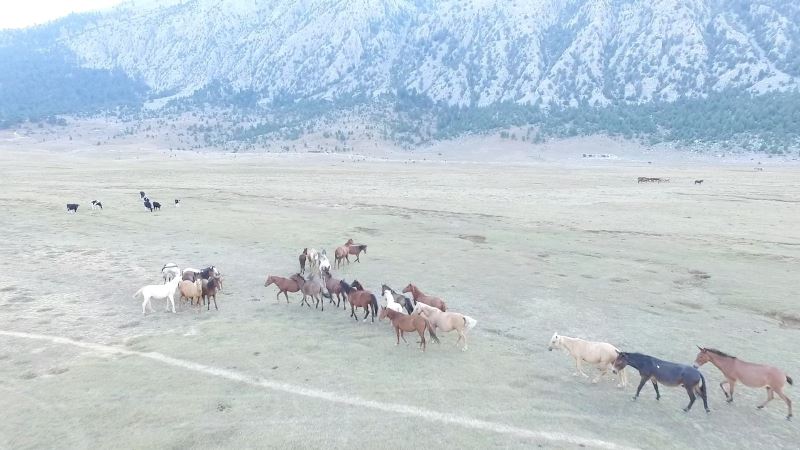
point(72, 207)
point(96, 204)
point(147, 204)
point(698, 181)
point(157, 206)
point(177, 203)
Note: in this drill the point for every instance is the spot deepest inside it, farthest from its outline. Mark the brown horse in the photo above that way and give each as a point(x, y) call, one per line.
point(359, 298)
point(310, 288)
point(210, 289)
point(284, 285)
point(334, 287)
point(429, 300)
point(302, 259)
point(750, 374)
point(356, 249)
point(403, 322)
point(341, 254)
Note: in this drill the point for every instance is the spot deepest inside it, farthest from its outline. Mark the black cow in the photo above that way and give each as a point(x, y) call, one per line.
point(147, 204)
point(157, 206)
point(72, 207)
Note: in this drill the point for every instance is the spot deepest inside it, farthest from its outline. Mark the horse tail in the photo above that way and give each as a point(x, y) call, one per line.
point(137, 293)
point(789, 380)
point(430, 329)
point(702, 385)
point(374, 303)
point(470, 322)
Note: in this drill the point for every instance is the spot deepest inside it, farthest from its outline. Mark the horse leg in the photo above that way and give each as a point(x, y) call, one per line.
point(366, 308)
point(770, 396)
point(397, 332)
point(285, 294)
point(422, 336)
point(321, 302)
point(692, 398)
point(641, 385)
point(722, 386)
point(402, 335)
point(731, 384)
point(353, 312)
point(578, 368)
point(172, 302)
point(603, 370)
point(144, 305)
point(463, 336)
point(215, 303)
point(655, 386)
point(786, 400)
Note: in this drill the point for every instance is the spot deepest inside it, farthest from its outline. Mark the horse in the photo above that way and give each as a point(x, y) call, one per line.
point(192, 290)
point(599, 354)
point(359, 298)
point(310, 288)
point(698, 181)
point(399, 299)
point(141, 195)
point(334, 287)
point(665, 372)
point(177, 203)
point(391, 304)
point(312, 257)
point(96, 204)
point(210, 289)
point(750, 374)
point(147, 204)
point(170, 271)
point(340, 254)
point(72, 207)
point(158, 291)
point(190, 274)
point(420, 296)
point(356, 249)
point(402, 323)
point(157, 206)
point(284, 285)
point(447, 321)
point(324, 263)
point(302, 259)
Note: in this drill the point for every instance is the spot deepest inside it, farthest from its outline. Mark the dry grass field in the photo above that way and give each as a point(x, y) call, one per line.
point(526, 249)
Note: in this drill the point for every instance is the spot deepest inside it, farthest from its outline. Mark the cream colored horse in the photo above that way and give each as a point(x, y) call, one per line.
point(447, 321)
point(599, 354)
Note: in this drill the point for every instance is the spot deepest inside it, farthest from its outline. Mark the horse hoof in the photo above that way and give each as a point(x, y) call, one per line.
point(788, 417)
point(708, 411)
point(633, 399)
point(685, 409)
point(730, 400)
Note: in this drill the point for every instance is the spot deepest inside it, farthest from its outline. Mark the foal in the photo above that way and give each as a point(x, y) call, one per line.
point(668, 373)
point(750, 374)
point(403, 323)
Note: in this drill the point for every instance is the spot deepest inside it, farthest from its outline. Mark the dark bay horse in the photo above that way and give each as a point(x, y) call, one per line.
point(284, 285)
point(359, 298)
point(750, 374)
point(356, 249)
point(404, 323)
point(665, 372)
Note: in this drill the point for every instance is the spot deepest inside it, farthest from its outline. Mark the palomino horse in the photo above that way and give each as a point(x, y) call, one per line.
point(403, 323)
point(359, 298)
point(667, 373)
point(420, 296)
point(192, 291)
point(334, 287)
point(170, 271)
point(158, 291)
point(284, 285)
point(398, 299)
point(599, 354)
point(302, 259)
point(750, 374)
point(310, 288)
point(447, 321)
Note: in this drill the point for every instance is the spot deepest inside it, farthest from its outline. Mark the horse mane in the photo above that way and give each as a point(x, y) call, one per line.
point(719, 352)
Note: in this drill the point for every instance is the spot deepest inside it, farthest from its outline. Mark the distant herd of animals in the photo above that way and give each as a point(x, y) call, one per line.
point(148, 204)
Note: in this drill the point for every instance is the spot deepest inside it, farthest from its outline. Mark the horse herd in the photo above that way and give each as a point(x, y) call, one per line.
point(421, 313)
point(148, 204)
point(428, 314)
point(608, 357)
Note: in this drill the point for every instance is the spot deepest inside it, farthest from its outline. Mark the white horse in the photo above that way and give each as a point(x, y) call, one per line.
point(170, 271)
point(324, 262)
point(392, 304)
point(158, 291)
point(447, 321)
point(599, 354)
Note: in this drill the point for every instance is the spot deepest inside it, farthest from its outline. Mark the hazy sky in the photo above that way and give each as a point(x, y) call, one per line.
point(23, 13)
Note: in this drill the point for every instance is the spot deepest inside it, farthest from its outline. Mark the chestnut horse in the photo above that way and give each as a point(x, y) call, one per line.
point(402, 323)
point(284, 285)
point(429, 300)
point(356, 249)
point(359, 298)
point(750, 374)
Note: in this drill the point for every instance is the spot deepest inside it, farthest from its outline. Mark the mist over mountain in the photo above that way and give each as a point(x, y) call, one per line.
point(686, 70)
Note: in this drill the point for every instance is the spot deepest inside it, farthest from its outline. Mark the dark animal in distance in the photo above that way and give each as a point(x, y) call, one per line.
point(96, 204)
point(141, 195)
point(72, 207)
point(698, 181)
point(177, 203)
point(147, 204)
point(302, 258)
point(157, 206)
point(665, 372)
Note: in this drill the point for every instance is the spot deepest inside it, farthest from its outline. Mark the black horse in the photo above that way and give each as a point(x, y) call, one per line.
point(665, 372)
point(157, 206)
point(72, 207)
point(147, 204)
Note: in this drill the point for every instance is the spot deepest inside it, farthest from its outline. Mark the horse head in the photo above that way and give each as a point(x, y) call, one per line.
point(555, 342)
point(409, 288)
point(620, 362)
point(701, 358)
point(356, 285)
point(270, 280)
